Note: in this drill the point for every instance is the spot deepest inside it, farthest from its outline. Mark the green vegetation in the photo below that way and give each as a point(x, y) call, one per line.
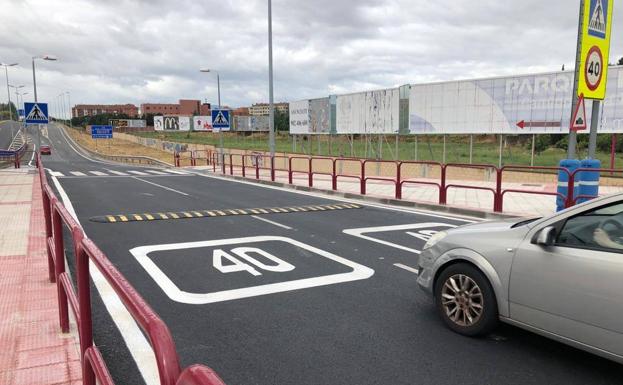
point(4, 111)
point(516, 149)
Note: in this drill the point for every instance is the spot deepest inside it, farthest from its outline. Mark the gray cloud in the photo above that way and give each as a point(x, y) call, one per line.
point(150, 50)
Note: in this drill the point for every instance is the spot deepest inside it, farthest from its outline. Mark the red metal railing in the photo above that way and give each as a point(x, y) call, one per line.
point(85, 251)
point(265, 162)
point(14, 156)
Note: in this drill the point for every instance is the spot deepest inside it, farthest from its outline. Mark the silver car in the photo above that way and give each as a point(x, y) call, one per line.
point(560, 276)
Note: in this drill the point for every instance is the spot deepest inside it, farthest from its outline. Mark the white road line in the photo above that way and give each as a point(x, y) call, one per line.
point(117, 172)
point(77, 173)
point(55, 173)
point(161, 186)
point(177, 172)
point(271, 222)
point(32, 158)
point(156, 172)
point(98, 173)
point(137, 344)
point(137, 172)
point(407, 268)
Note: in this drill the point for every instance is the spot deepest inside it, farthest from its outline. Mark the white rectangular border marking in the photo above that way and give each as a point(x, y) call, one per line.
point(413, 226)
point(141, 254)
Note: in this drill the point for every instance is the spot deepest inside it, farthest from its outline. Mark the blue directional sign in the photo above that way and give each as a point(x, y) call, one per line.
point(101, 132)
point(21, 112)
point(36, 113)
point(220, 120)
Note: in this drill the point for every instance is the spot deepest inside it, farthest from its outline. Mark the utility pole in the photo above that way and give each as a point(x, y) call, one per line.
point(271, 107)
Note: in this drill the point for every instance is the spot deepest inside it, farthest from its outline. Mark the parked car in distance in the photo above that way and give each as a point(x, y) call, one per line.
point(45, 149)
point(560, 276)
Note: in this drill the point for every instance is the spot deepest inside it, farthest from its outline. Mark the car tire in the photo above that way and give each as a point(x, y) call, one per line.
point(465, 300)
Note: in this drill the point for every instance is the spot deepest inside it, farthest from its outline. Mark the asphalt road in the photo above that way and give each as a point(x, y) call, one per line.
point(5, 133)
point(289, 298)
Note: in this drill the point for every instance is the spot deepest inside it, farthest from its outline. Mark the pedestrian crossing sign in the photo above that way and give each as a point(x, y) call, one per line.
point(220, 120)
point(36, 113)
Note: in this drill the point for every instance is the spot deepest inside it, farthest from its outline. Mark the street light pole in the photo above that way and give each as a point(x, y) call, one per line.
point(69, 109)
point(271, 107)
point(220, 132)
point(34, 85)
point(6, 73)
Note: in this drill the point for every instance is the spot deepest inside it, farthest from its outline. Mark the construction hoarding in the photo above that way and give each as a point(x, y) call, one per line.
point(371, 112)
point(202, 123)
point(130, 123)
point(527, 104)
point(299, 117)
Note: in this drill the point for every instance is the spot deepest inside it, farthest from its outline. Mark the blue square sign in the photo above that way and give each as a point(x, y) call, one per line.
point(220, 120)
point(101, 132)
point(36, 113)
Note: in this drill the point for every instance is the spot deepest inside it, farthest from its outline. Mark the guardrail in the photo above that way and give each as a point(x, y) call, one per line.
point(13, 155)
point(94, 369)
point(334, 169)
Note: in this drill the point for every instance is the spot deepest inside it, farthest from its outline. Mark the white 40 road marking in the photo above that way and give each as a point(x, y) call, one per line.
point(243, 252)
point(169, 287)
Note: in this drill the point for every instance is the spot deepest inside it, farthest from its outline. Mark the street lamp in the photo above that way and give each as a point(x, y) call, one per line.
point(220, 132)
point(34, 85)
point(34, 78)
point(69, 108)
point(15, 88)
point(8, 94)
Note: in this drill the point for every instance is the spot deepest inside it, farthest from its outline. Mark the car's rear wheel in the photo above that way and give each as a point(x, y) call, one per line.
point(465, 300)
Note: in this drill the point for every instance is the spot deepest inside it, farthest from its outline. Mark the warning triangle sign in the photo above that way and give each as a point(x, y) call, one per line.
point(220, 119)
point(597, 22)
point(36, 114)
point(579, 116)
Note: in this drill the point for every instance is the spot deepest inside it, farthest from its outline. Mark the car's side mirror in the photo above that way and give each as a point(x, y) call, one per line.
point(545, 237)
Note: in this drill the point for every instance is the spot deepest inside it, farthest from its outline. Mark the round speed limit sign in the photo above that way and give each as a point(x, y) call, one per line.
point(593, 68)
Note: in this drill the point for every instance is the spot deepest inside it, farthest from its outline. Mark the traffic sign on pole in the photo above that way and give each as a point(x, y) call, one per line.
point(579, 116)
point(36, 113)
point(101, 132)
point(593, 70)
point(220, 120)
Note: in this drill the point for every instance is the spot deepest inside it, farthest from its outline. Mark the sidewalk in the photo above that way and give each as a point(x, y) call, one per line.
point(520, 204)
point(34, 351)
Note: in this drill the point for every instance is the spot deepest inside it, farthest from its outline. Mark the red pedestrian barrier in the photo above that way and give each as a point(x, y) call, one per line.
point(94, 368)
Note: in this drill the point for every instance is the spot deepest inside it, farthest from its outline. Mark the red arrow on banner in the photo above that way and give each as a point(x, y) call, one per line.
point(521, 124)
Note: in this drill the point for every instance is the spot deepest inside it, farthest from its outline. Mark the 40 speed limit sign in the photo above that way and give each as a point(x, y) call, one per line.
point(595, 41)
point(593, 68)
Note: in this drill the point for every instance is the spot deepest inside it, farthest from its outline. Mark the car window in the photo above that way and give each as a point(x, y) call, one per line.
point(600, 229)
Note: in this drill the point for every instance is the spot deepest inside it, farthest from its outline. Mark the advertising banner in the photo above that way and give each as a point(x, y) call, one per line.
point(132, 123)
point(158, 123)
point(184, 123)
point(251, 123)
point(299, 117)
point(202, 123)
point(319, 116)
point(371, 112)
point(527, 104)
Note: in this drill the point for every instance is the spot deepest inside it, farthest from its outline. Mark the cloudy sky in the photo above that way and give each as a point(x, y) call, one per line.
point(135, 51)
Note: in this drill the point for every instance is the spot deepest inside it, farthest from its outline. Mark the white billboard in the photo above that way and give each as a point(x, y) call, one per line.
point(299, 117)
point(184, 123)
point(202, 123)
point(158, 123)
point(319, 116)
point(371, 112)
point(526, 104)
point(251, 123)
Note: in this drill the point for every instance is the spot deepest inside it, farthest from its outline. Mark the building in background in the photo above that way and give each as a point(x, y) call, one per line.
point(80, 110)
point(185, 107)
point(241, 111)
point(262, 109)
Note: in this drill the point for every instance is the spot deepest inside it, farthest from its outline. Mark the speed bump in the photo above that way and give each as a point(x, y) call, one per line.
point(159, 216)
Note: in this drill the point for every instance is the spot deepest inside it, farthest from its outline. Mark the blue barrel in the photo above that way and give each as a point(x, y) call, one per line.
point(563, 180)
point(589, 180)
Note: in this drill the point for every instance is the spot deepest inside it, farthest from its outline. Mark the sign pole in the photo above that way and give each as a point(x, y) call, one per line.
point(532, 154)
point(576, 78)
point(592, 139)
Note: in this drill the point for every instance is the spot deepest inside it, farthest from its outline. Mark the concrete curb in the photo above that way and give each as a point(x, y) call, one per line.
point(388, 201)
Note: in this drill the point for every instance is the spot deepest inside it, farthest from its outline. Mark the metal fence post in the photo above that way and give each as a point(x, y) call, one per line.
point(398, 181)
point(334, 176)
point(497, 199)
point(310, 175)
point(59, 267)
point(290, 170)
point(442, 187)
point(363, 178)
point(272, 168)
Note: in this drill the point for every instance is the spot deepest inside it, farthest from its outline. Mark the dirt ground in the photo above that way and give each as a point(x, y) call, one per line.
point(117, 146)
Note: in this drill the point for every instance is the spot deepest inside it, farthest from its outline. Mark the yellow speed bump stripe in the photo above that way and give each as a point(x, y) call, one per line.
point(159, 216)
